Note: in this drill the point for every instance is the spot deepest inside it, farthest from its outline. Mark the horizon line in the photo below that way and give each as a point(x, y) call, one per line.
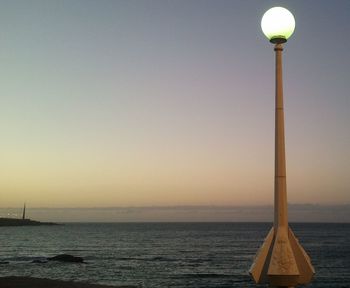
point(182, 206)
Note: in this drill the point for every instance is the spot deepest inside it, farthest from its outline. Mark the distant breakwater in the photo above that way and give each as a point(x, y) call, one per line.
point(22, 222)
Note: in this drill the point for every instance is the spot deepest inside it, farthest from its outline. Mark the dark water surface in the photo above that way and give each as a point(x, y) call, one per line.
point(163, 255)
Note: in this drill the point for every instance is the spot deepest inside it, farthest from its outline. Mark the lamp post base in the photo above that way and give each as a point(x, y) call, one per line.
point(281, 261)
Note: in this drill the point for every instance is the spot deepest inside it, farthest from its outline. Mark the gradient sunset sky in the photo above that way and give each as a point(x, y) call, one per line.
point(151, 103)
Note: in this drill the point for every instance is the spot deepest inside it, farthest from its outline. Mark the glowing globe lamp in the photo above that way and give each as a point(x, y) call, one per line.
point(278, 24)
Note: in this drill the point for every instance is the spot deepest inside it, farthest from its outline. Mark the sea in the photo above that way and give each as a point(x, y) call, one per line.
point(160, 255)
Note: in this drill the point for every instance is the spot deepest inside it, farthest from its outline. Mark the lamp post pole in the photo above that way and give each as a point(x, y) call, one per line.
point(280, 213)
point(280, 188)
point(281, 261)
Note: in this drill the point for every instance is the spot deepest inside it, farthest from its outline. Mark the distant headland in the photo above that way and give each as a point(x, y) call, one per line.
point(23, 221)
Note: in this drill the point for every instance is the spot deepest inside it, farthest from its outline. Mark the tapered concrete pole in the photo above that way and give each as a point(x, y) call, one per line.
point(281, 207)
point(281, 210)
point(280, 189)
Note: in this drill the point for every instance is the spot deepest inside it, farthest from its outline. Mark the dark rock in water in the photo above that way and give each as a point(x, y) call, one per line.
point(4, 262)
point(66, 258)
point(39, 261)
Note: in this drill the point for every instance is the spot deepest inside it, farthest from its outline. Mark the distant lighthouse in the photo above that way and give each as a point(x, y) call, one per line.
point(24, 212)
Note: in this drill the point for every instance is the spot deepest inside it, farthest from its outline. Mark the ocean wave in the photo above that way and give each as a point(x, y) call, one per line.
point(203, 275)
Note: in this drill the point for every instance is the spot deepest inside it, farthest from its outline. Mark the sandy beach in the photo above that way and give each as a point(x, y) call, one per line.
point(29, 282)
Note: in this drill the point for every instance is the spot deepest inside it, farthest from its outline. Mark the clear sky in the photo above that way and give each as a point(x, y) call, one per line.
point(151, 103)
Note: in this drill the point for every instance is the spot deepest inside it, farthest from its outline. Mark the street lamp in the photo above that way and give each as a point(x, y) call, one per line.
point(281, 260)
point(278, 24)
